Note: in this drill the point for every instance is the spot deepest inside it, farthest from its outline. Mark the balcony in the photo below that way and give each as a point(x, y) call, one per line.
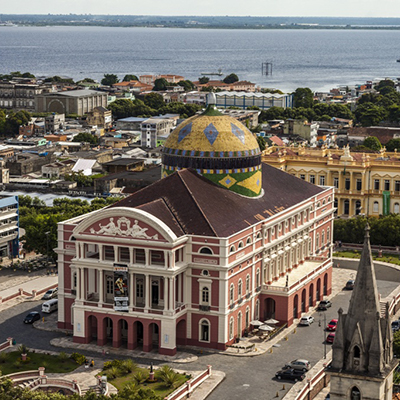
point(204, 308)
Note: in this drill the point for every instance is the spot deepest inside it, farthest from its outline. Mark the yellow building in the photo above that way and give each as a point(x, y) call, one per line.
point(365, 183)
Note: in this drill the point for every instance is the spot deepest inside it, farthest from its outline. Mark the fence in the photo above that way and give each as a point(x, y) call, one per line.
point(187, 389)
point(6, 344)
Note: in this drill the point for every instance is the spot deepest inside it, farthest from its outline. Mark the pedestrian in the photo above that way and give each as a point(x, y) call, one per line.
point(103, 353)
point(86, 363)
point(338, 265)
point(92, 363)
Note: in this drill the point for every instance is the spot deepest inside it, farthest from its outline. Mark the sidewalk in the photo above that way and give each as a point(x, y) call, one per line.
point(24, 288)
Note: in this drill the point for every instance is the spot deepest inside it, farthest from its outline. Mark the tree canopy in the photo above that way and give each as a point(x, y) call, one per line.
point(393, 144)
point(372, 143)
point(187, 85)
point(16, 74)
point(130, 77)
point(160, 84)
point(303, 97)
point(154, 100)
point(204, 79)
point(10, 121)
point(109, 79)
point(86, 137)
point(231, 78)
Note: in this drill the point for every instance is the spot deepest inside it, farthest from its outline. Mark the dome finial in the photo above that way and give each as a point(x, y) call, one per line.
point(211, 99)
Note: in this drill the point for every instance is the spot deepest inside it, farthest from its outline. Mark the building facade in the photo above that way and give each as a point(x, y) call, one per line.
point(186, 261)
point(365, 183)
point(19, 94)
point(78, 102)
point(9, 227)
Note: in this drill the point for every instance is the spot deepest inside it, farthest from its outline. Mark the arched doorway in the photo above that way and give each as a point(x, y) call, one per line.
point(355, 393)
point(91, 326)
point(303, 300)
point(181, 332)
point(151, 338)
point(138, 333)
point(325, 284)
point(108, 326)
point(358, 207)
point(123, 331)
point(269, 308)
point(295, 306)
point(311, 296)
point(318, 292)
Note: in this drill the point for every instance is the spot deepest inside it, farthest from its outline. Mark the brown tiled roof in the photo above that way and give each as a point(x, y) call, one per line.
point(277, 140)
point(384, 134)
point(200, 207)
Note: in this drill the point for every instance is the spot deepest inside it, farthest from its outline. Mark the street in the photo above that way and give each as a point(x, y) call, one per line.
point(246, 377)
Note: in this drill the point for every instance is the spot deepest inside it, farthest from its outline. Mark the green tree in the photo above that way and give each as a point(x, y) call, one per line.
point(369, 114)
point(130, 77)
point(11, 121)
point(109, 79)
point(204, 79)
point(372, 143)
point(86, 137)
point(393, 144)
point(396, 343)
point(271, 114)
point(58, 79)
point(187, 85)
point(261, 143)
point(303, 97)
point(384, 84)
point(231, 78)
point(154, 100)
point(160, 84)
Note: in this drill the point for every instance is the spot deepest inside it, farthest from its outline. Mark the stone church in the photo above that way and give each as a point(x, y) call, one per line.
point(362, 362)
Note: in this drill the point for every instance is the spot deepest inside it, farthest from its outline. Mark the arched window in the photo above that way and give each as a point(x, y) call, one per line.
point(231, 293)
point(247, 318)
point(258, 278)
point(376, 207)
point(257, 310)
point(231, 327)
point(328, 234)
point(206, 250)
point(258, 235)
point(240, 289)
point(323, 238)
point(396, 209)
point(248, 241)
point(247, 284)
point(205, 295)
point(204, 330)
point(355, 394)
point(356, 352)
point(205, 272)
point(317, 242)
point(240, 246)
point(232, 249)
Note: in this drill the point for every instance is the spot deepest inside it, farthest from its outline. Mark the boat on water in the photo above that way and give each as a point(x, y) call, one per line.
point(219, 73)
point(398, 60)
point(7, 23)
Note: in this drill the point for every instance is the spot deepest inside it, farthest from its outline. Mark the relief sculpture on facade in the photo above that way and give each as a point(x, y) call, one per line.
point(123, 228)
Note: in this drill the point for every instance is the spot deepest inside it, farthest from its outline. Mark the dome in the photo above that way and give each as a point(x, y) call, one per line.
point(218, 147)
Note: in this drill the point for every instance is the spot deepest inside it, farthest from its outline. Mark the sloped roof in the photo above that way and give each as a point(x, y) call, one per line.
point(202, 208)
point(83, 165)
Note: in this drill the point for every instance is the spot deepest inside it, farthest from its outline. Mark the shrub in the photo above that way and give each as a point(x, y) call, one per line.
point(78, 357)
point(63, 356)
point(113, 363)
point(113, 372)
point(171, 379)
point(128, 366)
point(140, 377)
point(163, 371)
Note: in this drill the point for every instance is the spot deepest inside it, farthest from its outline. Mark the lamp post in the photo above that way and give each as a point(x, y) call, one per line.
point(323, 331)
point(47, 247)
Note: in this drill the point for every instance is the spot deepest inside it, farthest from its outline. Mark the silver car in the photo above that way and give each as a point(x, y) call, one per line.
point(50, 294)
point(301, 365)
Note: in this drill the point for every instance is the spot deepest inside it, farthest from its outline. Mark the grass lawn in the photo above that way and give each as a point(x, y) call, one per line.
point(158, 387)
point(389, 258)
point(53, 364)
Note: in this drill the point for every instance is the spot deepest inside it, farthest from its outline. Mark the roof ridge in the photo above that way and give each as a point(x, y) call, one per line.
point(195, 201)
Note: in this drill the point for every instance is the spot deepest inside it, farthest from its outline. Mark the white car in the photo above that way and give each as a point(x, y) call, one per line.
point(50, 294)
point(306, 320)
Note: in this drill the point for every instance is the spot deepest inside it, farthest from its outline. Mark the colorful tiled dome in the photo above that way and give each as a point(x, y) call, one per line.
point(218, 147)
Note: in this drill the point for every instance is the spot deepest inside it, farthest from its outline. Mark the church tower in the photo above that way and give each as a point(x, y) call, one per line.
point(362, 362)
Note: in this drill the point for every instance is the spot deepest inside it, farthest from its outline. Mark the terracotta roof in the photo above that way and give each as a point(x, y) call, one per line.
point(277, 140)
point(384, 134)
point(200, 207)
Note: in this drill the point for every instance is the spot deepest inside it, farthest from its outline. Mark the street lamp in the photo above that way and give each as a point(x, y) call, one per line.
point(323, 331)
point(47, 247)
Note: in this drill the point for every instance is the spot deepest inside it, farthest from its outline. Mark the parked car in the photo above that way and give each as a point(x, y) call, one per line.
point(324, 305)
point(290, 374)
point(330, 338)
point(306, 320)
point(301, 365)
point(32, 317)
point(50, 294)
point(350, 284)
point(332, 325)
point(395, 325)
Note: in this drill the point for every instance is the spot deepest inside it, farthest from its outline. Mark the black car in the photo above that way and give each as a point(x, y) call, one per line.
point(290, 374)
point(32, 317)
point(350, 284)
point(324, 305)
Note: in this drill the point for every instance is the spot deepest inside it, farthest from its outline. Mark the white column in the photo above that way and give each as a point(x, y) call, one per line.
point(146, 292)
point(147, 257)
point(165, 293)
point(78, 283)
point(101, 286)
point(81, 250)
point(100, 252)
point(172, 262)
point(167, 260)
point(82, 283)
point(171, 293)
point(116, 255)
point(131, 255)
point(131, 289)
point(180, 288)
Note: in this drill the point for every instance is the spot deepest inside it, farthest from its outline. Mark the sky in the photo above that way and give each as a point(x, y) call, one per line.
point(336, 8)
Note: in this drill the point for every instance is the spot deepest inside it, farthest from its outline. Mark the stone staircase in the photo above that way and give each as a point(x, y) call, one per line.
point(94, 388)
